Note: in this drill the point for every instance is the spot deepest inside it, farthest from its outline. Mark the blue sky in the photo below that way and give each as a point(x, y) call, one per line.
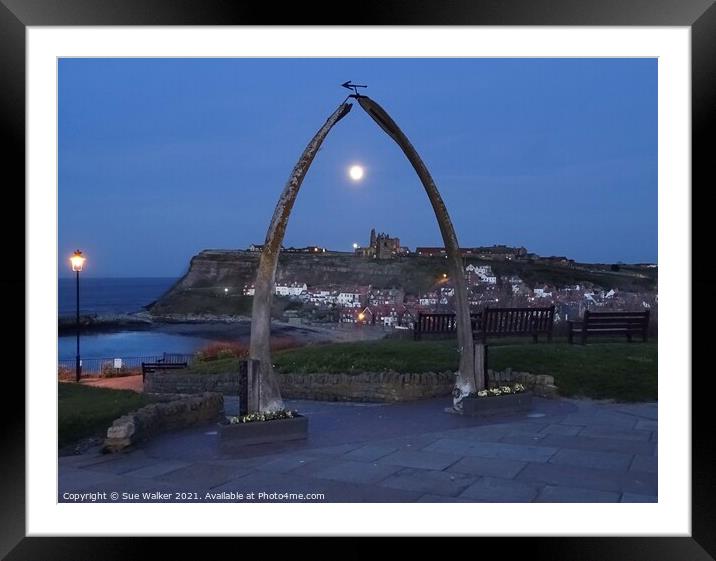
point(161, 158)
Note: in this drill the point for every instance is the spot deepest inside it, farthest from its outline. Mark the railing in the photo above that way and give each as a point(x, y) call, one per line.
point(117, 365)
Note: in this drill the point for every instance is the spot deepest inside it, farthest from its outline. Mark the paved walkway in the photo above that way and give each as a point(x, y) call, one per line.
point(133, 383)
point(563, 451)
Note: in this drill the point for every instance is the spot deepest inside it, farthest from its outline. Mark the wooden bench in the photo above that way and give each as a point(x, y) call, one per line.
point(439, 324)
point(492, 322)
point(610, 323)
point(514, 322)
point(159, 365)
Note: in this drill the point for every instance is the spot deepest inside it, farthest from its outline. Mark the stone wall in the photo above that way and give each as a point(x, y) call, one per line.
point(168, 413)
point(539, 384)
point(182, 382)
point(368, 386)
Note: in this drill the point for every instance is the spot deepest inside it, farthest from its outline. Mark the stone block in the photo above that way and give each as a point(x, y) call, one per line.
point(122, 428)
point(549, 391)
point(527, 379)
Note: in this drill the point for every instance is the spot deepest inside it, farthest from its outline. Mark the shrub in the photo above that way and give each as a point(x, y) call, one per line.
point(65, 373)
point(237, 349)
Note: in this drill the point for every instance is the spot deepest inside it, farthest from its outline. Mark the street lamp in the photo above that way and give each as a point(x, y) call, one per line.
point(78, 261)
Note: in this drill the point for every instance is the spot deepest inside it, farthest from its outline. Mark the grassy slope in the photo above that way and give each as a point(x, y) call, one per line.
point(87, 411)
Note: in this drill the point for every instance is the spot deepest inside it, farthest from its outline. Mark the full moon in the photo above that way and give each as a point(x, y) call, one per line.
point(356, 173)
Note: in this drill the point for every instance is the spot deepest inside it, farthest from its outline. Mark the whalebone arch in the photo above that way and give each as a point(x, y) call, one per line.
point(270, 394)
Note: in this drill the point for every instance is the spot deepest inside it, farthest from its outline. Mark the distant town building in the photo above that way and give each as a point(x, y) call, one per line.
point(307, 249)
point(430, 251)
point(492, 253)
point(475, 274)
point(256, 248)
point(294, 289)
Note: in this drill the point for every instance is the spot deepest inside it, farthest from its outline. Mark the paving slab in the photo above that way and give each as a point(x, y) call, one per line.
point(564, 430)
point(202, 475)
point(494, 490)
point(492, 467)
point(523, 453)
point(336, 450)
point(334, 491)
point(348, 471)
point(601, 480)
point(636, 498)
point(642, 424)
point(645, 410)
point(157, 468)
point(563, 494)
point(370, 452)
point(598, 444)
point(647, 464)
point(523, 439)
point(614, 433)
point(285, 464)
point(616, 461)
point(429, 481)
point(72, 479)
point(423, 459)
point(247, 463)
point(601, 419)
point(443, 499)
point(122, 464)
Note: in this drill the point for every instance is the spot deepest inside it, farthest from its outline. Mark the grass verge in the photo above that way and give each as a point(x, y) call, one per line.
point(85, 411)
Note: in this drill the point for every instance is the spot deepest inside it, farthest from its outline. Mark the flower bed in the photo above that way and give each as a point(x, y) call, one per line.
point(498, 400)
point(261, 416)
point(263, 428)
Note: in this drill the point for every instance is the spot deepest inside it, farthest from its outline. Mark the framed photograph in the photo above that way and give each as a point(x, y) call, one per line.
point(82, 82)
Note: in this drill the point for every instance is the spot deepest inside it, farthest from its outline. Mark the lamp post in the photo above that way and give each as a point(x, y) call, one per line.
point(78, 261)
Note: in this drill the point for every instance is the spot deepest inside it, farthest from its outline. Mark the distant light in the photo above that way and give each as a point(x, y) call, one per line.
point(78, 261)
point(444, 275)
point(355, 245)
point(361, 316)
point(226, 291)
point(356, 173)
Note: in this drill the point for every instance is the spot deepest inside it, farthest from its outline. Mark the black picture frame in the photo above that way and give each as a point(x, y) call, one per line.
point(17, 15)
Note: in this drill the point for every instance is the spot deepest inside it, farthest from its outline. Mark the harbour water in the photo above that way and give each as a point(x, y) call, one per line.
point(129, 344)
point(102, 296)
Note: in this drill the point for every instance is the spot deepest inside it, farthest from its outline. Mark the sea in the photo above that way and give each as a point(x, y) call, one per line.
point(106, 296)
